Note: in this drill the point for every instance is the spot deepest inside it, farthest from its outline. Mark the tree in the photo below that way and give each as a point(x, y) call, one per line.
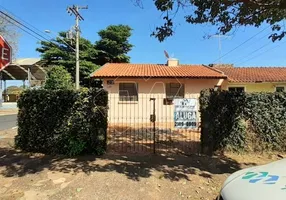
point(58, 78)
point(227, 15)
point(113, 45)
point(60, 51)
point(10, 33)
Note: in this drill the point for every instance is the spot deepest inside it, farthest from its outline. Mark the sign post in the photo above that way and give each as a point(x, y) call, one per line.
point(5, 60)
point(185, 115)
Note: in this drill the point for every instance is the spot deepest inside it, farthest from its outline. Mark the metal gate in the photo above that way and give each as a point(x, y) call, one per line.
point(148, 125)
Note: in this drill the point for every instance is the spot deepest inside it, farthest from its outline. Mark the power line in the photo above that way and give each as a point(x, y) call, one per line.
point(20, 28)
point(23, 25)
point(49, 40)
point(249, 54)
point(261, 53)
point(15, 16)
point(241, 44)
point(250, 45)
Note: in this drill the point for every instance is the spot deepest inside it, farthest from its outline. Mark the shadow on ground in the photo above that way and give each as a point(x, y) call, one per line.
point(134, 167)
point(136, 139)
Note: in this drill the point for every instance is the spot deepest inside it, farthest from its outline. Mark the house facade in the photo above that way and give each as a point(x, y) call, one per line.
point(135, 90)
point(156, 107)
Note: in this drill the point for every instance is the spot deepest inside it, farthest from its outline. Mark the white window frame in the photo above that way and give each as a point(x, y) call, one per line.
point(182, 86)
point(136, 88)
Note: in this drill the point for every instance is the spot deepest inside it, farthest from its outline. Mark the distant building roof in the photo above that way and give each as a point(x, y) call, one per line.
point(156, 71)
point(254, 74)
point(18, 70)
point(25, 61)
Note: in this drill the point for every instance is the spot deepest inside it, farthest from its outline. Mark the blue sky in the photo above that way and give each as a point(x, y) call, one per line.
point(188, 44)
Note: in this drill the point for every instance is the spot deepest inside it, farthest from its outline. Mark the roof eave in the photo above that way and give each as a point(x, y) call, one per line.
point(192, 77)
point(267, 81)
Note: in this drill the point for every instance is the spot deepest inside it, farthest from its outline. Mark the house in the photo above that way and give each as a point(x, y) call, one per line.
point(135, 90)
point(254, 79)
point(156, 106)
point(131, 86)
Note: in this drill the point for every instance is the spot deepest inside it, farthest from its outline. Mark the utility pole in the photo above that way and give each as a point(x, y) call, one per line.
point(74, 10)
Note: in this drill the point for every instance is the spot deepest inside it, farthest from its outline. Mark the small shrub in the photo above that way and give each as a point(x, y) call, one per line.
point(76, 147)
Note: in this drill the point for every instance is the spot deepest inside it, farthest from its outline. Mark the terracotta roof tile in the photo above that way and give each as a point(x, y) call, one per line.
point(156, 71)
point(254, 74)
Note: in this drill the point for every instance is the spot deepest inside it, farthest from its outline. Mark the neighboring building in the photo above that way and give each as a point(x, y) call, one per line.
point(131, 86)
point(24, 69)
point(254, 79)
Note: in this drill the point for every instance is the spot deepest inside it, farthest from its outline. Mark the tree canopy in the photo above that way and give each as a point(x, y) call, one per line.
point(58, 78)
point(227, 15)
point(60, 51)
point(113, 46)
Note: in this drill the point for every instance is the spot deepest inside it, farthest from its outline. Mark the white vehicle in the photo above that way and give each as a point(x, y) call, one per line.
point(266, 182)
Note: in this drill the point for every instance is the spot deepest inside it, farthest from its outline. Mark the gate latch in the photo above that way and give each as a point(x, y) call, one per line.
point(152, 118)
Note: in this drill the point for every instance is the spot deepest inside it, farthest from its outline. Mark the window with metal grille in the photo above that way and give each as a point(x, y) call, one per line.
point(175, 90)
point(236, 89)
point(128, 92)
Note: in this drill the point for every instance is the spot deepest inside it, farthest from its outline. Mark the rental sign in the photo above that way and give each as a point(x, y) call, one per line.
point(5, 53)
point(185, 115)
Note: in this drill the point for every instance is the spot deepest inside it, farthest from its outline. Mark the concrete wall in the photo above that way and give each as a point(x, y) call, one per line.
point(121, 112)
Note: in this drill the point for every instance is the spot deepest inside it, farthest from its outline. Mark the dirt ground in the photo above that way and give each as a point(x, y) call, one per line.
point(37, 176)
point(138, 138)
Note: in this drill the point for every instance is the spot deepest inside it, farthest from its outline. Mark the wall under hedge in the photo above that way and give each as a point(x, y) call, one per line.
point(242, 121)
point(62, 121)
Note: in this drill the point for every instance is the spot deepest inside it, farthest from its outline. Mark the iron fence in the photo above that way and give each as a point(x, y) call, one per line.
point(148, 124)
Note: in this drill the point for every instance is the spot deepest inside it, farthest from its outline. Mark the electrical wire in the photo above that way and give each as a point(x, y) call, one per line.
point(23, 25)
point(15, 16)
point(241, 44)
point(253, 52)
point(262, 53)
point(20, 28)
point(17, 21)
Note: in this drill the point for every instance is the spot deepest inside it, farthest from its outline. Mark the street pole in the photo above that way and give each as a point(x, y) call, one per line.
point(74, 10)
point(77, 51)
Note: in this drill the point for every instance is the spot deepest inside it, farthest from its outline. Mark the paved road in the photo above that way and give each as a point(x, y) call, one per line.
point(8, 122)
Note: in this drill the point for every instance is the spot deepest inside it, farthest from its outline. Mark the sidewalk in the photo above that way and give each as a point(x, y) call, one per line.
point(8, 108)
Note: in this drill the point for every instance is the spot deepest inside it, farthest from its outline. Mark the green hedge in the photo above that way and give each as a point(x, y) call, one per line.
point(62, 121)
point(242, 121)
